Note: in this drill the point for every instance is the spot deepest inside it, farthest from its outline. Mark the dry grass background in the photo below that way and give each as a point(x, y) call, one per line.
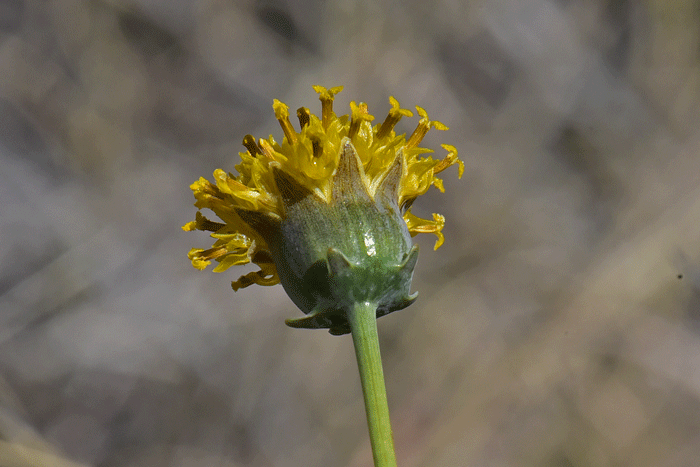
point(552, 328)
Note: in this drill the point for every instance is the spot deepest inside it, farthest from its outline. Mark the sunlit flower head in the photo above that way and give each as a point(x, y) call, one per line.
point(330, 161)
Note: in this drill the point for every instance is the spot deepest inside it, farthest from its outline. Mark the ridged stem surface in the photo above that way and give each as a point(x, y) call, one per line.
point(363, 322)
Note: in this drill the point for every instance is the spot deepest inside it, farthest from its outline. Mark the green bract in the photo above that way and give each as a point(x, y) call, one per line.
point(355, 249)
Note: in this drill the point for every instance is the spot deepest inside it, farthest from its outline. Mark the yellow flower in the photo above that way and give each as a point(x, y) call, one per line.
point(273, 177)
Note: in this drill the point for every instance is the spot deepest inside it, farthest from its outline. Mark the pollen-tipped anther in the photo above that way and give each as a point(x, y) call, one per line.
point(304, 116)
point(202, 223)
point(282, 115)
point(450, 159)
point(251, 145)
point(424, 125)
point(316, 148)
point(326, 96)
point(393, 118)
point(359, 114)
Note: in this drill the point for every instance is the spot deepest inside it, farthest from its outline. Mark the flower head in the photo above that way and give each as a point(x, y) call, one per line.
point(330, 200)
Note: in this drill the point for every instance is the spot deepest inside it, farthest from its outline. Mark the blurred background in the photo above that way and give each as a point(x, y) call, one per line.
point(558, 326)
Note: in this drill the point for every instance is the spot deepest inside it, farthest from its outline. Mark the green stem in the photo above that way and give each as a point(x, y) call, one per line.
point(363, 322)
